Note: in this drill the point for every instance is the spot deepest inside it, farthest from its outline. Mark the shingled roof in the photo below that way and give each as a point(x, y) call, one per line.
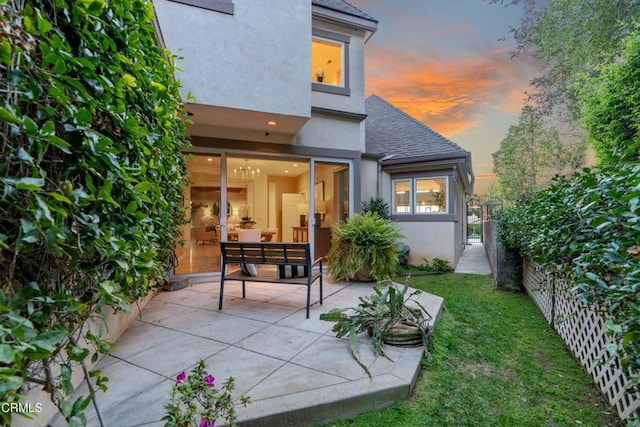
point(344, 7)
point(392, 132)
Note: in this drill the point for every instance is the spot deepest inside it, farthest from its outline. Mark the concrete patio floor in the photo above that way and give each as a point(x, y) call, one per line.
point(296, 372)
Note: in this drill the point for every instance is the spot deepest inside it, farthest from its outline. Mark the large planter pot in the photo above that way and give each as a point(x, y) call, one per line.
point(364, 275)
point(402, 334)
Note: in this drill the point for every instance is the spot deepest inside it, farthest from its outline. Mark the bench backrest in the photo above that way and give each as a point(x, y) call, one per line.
point(266, 253)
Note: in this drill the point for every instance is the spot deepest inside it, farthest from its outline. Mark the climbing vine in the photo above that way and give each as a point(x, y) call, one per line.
point(91, 179)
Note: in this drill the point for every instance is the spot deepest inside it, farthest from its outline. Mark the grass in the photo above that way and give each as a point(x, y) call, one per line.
point(494, 362)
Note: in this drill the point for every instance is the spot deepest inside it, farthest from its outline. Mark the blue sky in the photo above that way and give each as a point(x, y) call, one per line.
point(448, 64)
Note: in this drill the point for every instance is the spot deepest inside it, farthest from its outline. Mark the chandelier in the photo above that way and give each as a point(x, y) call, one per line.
point(245, 174)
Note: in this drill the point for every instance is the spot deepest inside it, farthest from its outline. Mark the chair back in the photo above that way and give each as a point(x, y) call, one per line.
point(249, 235)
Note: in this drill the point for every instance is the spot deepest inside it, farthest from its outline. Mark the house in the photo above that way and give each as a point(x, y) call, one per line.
point(277, 112)
point(423, 176)
point(277, 117)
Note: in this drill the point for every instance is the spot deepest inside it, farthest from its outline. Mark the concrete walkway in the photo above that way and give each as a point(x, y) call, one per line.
point(474, 260)
point(296, 372)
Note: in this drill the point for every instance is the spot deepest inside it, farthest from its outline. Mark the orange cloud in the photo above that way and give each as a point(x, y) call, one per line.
point(446, 94)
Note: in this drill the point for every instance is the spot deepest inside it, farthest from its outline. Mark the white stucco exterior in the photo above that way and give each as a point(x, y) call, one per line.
point(256, 59)
point(430, 240)
point(331, 132)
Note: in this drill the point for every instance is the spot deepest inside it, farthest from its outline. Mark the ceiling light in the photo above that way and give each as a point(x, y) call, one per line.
point(286, 171)
point(209, 159)
point(272, 123)
point(295, 165)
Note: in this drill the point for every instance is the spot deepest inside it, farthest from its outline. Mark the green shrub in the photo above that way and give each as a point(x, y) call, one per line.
point(436, 265)
point(92, 179)
point(364, 241)
point(586, 229)
point(378, 206)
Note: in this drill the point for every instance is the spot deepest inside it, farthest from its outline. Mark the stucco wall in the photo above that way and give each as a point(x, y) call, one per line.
point(429, 240)
point(330, 132)
point(256, 59)
point(369, 180)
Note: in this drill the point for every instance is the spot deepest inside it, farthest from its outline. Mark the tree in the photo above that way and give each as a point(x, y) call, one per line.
point(571, 38)
point(91, 177)
point(611, 105)
point(531, 155)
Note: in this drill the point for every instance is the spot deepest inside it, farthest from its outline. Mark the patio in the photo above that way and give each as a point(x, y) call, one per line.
point(295, 370)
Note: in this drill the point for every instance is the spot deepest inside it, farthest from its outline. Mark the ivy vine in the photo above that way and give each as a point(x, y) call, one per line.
point(92, 177)
point(587, 229)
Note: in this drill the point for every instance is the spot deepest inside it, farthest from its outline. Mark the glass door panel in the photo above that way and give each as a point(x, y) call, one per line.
point(270, 195)
point(331, 197)
point(198, 247)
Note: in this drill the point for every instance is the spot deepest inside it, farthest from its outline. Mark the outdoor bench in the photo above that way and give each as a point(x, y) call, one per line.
point(292, 260)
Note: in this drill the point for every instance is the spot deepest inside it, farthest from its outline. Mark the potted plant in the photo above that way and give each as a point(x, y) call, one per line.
point(247, 222)
point(320, 74)
point(391, 316)
point(363, 248)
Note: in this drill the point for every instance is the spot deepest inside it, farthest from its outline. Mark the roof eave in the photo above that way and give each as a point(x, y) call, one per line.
point(369, 26)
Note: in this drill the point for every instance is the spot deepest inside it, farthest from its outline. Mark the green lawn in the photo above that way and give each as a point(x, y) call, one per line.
point(494, 362)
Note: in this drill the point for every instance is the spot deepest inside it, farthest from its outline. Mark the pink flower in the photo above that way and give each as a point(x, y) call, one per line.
point(206, 423)
point(209, 379)
point(181, 377)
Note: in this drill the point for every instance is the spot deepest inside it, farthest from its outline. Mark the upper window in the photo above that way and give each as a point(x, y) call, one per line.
point(330, 62)
point(418, 196)
point(326, 62)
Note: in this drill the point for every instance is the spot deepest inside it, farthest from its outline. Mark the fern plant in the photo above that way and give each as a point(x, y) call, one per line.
point(364, 242)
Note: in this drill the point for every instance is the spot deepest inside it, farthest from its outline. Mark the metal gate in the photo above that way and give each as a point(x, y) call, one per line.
point(479, 210)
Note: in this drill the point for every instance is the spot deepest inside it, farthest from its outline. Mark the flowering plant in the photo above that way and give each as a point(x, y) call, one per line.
point(196, 402)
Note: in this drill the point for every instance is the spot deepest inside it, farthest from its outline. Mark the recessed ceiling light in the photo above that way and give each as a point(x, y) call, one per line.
point(209, 159)
point(286, 171)
point(272, 123)
point(295, 165)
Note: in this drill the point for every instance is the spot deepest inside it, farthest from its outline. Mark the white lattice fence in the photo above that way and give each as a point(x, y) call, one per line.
point(584, 333)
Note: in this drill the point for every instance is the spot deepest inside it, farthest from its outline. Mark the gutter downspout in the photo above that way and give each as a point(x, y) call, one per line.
point(379, 175)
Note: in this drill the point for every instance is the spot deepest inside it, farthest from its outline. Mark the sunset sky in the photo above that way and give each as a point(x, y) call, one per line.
point(443, 63)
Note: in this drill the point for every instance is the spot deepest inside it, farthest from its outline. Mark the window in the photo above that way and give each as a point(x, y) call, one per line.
point(402, 196)
point(326, 62)
point(330, 62)
point(420, 196)
point(431, 195)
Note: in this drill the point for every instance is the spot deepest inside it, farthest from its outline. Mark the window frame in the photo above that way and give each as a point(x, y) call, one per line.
point(393, 198)
point(344, 41)
point(412, 216)
point(414, 206)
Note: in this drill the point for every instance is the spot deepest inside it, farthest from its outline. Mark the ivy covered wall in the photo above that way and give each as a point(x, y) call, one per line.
point(91, 181)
